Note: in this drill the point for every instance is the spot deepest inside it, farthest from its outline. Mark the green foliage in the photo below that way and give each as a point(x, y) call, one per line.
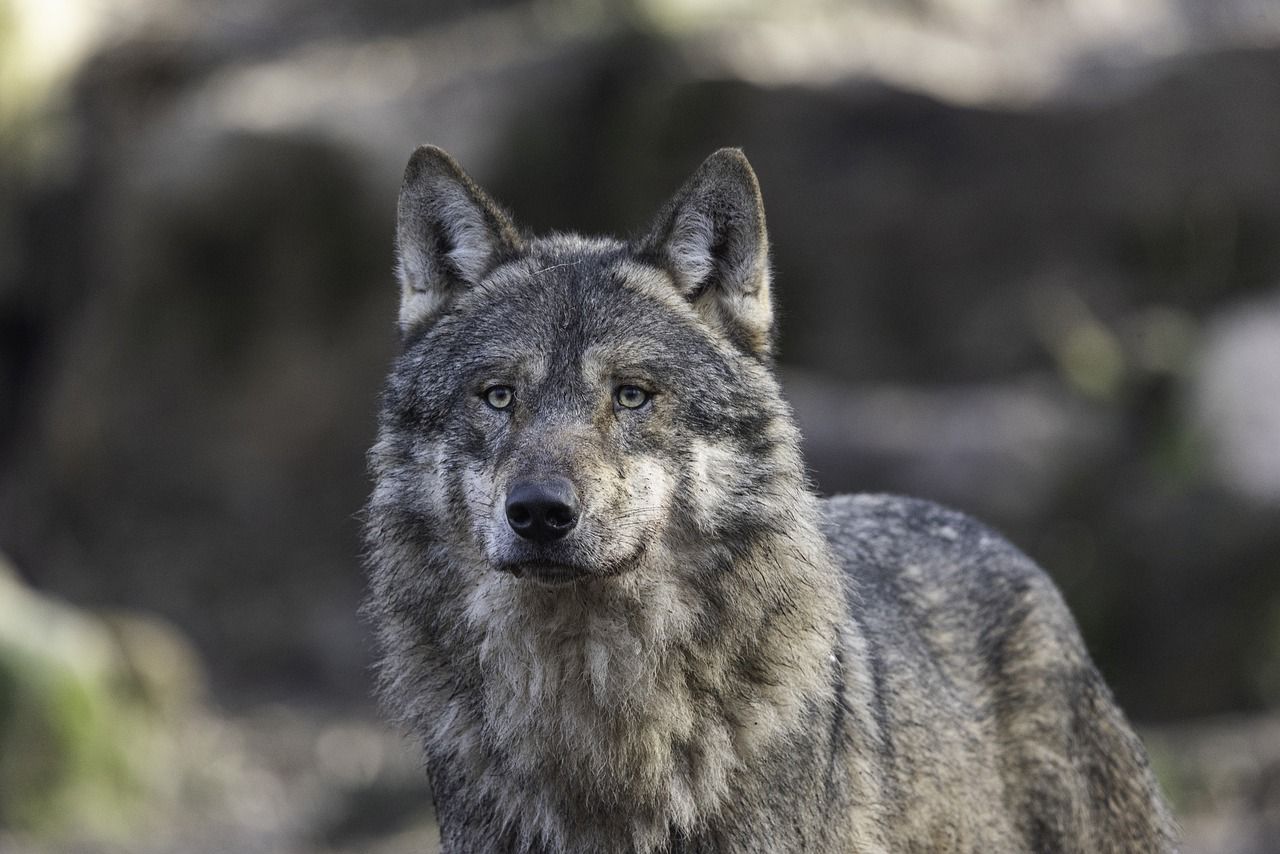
point(85, 729)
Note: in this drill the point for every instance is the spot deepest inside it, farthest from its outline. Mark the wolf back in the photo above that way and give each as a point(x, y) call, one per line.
point(618, 618)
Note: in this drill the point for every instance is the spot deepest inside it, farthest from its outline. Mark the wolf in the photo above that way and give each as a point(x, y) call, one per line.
point(615, 613)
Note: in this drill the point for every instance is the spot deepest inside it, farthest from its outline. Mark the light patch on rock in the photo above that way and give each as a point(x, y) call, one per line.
point(1236, 397)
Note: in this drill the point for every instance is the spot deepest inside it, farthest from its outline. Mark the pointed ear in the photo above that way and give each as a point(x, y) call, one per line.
point(711, 239)
point(449, 235)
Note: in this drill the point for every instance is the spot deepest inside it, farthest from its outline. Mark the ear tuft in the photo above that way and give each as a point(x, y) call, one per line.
point(711, 238)
point(449, 235)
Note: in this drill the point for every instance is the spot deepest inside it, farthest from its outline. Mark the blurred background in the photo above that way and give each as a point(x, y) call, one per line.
point(1028, 262)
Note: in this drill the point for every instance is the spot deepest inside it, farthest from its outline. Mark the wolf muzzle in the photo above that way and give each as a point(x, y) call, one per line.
point(542, 511)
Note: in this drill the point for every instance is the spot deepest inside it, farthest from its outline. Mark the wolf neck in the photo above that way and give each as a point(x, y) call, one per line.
point(654, 689)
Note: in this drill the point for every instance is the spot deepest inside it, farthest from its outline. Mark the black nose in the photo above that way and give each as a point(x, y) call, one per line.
point(542, 510)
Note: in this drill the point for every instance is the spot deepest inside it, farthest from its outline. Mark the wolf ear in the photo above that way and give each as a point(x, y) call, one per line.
point(449, 235)
point(710, 237)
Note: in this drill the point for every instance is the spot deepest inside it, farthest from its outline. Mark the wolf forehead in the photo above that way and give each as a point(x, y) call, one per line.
point(568, 296)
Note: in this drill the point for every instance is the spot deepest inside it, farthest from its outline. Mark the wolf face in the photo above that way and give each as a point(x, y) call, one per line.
point(568, 405)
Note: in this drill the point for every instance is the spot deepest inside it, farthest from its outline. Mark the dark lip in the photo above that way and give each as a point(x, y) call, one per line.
point(547, 569)
point(551, 573)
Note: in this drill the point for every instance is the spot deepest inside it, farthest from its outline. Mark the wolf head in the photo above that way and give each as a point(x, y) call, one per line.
point(563, 407)
point(596, 569)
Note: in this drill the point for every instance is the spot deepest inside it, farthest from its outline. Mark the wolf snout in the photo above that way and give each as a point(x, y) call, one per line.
point(542, 510)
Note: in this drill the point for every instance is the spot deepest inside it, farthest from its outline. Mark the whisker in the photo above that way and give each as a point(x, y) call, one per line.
point(556, 267)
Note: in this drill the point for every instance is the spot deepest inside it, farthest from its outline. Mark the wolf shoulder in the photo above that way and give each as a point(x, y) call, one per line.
point(964, 634)
point(917, 568)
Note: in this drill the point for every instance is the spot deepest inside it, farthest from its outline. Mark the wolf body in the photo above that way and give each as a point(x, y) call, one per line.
point(618, 618)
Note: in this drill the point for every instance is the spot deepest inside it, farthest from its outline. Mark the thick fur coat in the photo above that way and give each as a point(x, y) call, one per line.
point(694, 653)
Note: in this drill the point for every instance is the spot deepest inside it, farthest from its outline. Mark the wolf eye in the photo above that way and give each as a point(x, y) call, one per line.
point(499, 396)
point(631, 397)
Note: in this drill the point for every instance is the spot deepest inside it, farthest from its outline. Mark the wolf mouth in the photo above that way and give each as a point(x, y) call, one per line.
point(551, 573)
point(558, 573)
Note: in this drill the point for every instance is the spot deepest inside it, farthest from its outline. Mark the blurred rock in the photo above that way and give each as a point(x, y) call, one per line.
point(999, 450)
point(1224, 779)
point(1016, 52)
point(89, 714)
point(281, 780)
point(1236, 396)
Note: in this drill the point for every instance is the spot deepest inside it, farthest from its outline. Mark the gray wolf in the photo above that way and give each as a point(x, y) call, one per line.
point(619, 619)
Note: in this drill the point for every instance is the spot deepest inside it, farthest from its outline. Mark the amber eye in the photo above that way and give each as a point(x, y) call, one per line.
point(631, 397)
point(499, 396)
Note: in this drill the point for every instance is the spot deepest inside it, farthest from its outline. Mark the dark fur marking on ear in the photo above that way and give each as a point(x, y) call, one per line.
point(442, 245)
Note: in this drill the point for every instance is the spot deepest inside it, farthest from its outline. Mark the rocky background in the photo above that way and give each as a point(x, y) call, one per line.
point(1028, 261)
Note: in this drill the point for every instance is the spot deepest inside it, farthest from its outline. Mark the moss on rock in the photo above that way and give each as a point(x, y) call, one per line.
point(88, 713)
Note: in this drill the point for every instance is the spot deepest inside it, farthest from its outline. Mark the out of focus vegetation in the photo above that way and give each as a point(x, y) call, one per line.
point(1028, 259)
point(87, 713)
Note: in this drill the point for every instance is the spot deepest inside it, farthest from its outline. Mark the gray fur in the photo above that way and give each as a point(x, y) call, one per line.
point(714, 660)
